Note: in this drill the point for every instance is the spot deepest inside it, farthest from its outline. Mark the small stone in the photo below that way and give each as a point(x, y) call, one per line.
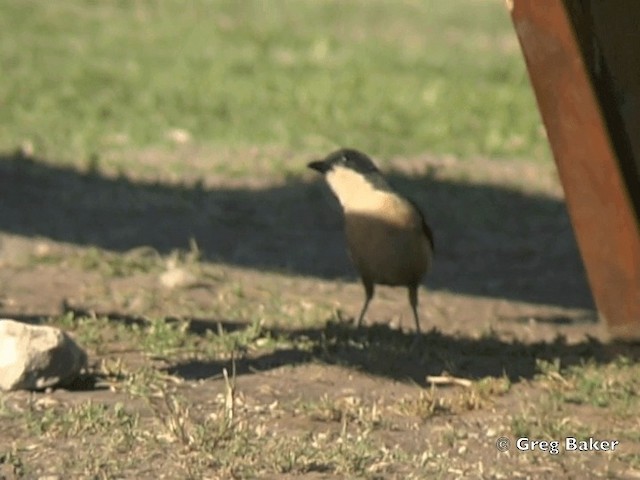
point(42, 249)
point(177, 278)
point(36, 357)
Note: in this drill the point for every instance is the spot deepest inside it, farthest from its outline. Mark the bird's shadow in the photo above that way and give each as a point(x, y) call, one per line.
point(382, 351)
point(490, 240)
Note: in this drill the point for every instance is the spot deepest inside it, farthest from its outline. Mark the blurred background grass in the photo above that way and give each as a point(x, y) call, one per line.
point(84, 79)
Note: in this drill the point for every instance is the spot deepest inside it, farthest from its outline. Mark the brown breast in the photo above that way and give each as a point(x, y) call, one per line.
point(387, 244)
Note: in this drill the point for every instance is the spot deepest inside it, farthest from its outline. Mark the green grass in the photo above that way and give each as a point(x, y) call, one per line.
point(103, 84)
point(227, 433)
point(611, 386)
point(572, 395)
point(90, 81)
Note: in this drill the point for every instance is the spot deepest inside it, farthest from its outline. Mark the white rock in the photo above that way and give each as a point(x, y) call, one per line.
point(176, 277)
point(35, 357)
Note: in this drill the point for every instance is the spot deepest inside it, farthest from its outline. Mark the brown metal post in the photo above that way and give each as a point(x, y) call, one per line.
point(589, 133)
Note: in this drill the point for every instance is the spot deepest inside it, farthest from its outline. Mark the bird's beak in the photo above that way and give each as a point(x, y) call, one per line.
point(320, 166)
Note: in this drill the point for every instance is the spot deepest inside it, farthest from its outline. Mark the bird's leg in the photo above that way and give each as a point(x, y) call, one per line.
point(368, 290)
point(413, 300)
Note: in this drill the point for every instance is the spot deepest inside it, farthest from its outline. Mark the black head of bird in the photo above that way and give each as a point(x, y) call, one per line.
point(388, 239)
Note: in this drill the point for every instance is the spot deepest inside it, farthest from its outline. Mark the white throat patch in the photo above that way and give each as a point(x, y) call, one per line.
point(357, 191)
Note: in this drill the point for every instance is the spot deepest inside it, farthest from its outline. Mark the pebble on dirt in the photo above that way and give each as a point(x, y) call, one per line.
point(36, 357)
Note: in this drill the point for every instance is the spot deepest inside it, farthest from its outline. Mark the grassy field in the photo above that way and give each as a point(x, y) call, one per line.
point(85, 81)
point(154, 203)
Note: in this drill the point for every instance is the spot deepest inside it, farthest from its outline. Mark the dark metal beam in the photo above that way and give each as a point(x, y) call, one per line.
point(590, 131)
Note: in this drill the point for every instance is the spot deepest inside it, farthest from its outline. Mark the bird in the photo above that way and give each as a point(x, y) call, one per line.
point(388, 238)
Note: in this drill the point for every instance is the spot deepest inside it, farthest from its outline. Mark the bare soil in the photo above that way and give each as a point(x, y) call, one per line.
point(507, 291)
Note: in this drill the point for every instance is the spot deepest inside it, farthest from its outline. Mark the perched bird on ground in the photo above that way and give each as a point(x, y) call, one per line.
point(389, 241)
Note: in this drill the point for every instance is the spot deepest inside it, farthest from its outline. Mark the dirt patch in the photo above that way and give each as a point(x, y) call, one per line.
point(506, 307)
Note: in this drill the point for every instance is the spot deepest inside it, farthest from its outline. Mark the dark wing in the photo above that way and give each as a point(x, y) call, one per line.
point(425, 228)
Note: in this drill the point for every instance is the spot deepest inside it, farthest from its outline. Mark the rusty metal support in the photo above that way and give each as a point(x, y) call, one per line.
point(585, 71)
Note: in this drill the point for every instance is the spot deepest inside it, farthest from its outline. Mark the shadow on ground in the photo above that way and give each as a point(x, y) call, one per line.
point(385, 352)
point(381, 351)
point(490, 241)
